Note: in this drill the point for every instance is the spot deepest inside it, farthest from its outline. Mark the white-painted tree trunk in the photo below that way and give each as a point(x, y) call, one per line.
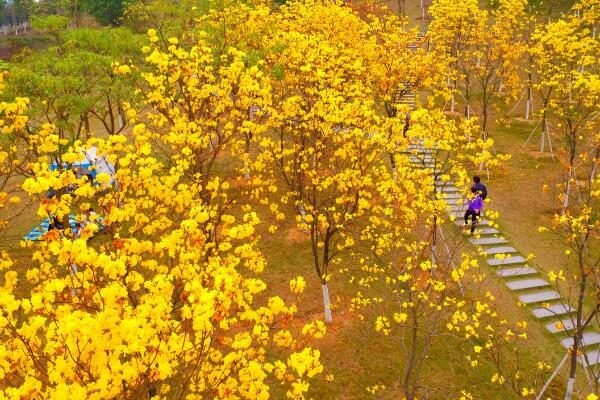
point(302, 211)
point(452, 103)
point(527, 108)
point(570, 89)
point(72, 272)
point(543, 140)
point(247, 173)
point(569, 393)
point(327, 304)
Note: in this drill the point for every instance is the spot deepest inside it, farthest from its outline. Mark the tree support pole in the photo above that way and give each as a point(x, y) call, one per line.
point(549, 381)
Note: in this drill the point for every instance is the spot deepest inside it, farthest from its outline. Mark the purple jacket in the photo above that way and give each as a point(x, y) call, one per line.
point(475, 203)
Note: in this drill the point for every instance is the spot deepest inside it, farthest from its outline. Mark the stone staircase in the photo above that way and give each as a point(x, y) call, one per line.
point(527, 283)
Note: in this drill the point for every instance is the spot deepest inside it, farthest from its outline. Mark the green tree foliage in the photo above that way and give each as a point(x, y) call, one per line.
point(53, 24)
point(107, 12)
point(168, 17)
point(74, 83)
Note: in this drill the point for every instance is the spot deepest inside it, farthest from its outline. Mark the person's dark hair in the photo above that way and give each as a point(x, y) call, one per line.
point(477, 179)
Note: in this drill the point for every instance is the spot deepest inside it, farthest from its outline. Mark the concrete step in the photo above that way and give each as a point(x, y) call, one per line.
point(454, 195)
point(483, 231)
point(539, 297)
point(527, 284)
point(445, 185)
point(552, 311)
point(563, 325)
point(455, 201)
point(516, 271)
point(429, 161)
point(449, 188)
point(587, 339)
point(481, 223)
point(500, 250)
point(480, 231)
point(591, 357)
point(488, 241)
point(494, 262)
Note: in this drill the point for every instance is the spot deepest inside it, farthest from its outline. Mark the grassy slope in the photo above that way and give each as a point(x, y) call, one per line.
point(11, 44)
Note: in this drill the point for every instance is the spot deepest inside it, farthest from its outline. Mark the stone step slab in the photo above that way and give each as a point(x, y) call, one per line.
point(560, 326)
point(447, 189)
point(514, 272)
point(454, 195)
point(446, 185)
point(426, 163)
point(460, 221)
point(552, 311)
point(527, 284)
point(494, 262)
point(454, 201)
point(488, 241)
point(587, 339)
point(487, 231)
point(479, 231)
point(591, 357)
point(500, 250)
point(539, 297)
point(421, 157)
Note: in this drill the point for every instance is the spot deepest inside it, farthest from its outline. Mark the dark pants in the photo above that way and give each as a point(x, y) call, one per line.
point(474, 216)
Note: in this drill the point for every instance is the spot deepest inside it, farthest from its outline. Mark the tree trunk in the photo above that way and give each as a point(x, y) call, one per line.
point(86, 124)
point(595, 162)
point(567, 191)
point(544, 126)
point(326, 303)
point(467, 95)
point(570, 171)
point(577, 332)
point(484, 123)
point(433, 245)
point(121, 118)
point(570, 384)
point(529, 104)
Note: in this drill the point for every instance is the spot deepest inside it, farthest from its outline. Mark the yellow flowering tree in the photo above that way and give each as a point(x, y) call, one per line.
point(454, 31)
point(156, 307)
point(325, 149)
point(397, 71)
point(167, 302)
point(418, 277)
point(482, 48)
point(566, 60)
point(201, 115)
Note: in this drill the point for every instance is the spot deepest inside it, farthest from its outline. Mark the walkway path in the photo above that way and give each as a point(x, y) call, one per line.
point(527, 283)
